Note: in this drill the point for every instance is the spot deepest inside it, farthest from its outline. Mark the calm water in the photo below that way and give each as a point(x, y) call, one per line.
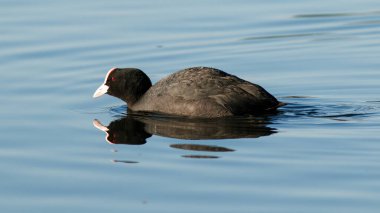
point(320, 153)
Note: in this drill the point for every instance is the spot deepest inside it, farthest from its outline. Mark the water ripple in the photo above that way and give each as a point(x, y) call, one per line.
point(309, 107)
point(328, 15)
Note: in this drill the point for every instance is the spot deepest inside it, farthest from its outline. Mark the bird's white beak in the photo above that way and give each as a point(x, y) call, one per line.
point(101, 91)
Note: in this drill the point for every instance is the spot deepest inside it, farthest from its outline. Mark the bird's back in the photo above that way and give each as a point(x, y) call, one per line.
point(205, 92)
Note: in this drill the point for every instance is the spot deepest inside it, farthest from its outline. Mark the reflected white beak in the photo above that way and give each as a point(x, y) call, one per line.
point(99, 125)
point(101, 91)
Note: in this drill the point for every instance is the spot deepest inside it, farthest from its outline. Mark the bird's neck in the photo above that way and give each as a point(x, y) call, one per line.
point(132, 98)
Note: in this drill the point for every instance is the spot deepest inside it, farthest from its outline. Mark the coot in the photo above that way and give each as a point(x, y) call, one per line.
point(194, 92)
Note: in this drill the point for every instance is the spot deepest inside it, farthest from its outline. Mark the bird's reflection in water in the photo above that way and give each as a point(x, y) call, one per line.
point(126, 130)
point(199, 147)
point(135, 129)
point(124, 161)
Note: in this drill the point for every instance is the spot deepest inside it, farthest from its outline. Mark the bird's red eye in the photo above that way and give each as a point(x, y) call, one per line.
point(113, 79)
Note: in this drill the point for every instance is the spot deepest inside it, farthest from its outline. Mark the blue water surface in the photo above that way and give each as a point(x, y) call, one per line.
point(320, 153)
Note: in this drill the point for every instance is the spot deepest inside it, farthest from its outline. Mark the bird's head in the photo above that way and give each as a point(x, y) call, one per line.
point(128, 84)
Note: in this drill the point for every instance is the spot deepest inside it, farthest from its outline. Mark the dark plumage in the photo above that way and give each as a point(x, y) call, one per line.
point(195, 92)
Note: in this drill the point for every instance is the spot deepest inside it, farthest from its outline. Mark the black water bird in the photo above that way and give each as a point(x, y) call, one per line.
point(193, 92)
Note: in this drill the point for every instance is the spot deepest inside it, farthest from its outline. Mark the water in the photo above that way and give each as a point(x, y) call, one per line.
point(320, 153)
